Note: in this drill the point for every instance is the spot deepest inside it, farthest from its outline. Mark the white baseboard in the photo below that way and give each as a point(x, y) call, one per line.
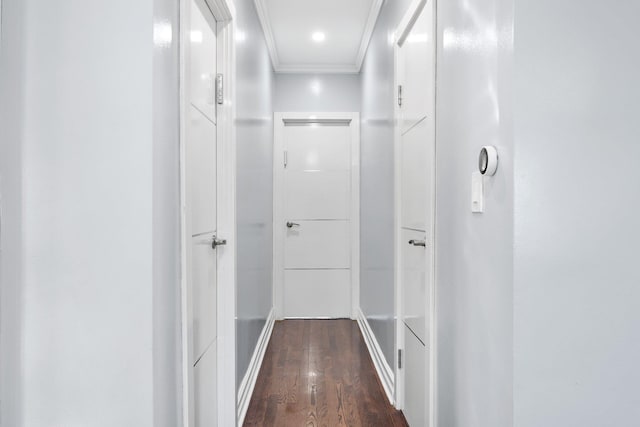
point(249, 381)
point(385, 373)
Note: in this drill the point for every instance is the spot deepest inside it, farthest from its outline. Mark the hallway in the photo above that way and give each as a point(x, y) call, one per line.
point(319, 373)
point(217, 213)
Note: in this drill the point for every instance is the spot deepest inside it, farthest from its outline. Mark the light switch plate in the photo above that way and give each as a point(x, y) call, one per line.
point(477, 193)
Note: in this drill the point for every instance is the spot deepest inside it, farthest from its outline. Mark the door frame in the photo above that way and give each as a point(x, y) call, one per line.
point(400, 35)
point(224, 13)
point(280, 119)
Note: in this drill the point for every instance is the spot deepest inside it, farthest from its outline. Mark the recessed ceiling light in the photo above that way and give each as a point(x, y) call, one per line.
point(318, 36)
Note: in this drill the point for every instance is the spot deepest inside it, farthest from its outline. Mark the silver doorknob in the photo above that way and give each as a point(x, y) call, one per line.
point(422, 243)
point(215, 242)
point(292, 224)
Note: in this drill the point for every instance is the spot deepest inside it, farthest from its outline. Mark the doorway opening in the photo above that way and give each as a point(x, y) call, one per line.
point(316, 215)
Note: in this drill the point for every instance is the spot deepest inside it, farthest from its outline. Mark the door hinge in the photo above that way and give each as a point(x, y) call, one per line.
point(399, 359)
point(399, 95)
point(286, 159)
point(219, 89)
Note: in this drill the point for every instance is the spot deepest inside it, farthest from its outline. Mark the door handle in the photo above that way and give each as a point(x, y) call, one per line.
point(422, 243)
point(292, 224)
point(215, 242)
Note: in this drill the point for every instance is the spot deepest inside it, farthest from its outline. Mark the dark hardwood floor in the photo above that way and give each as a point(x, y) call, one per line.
point(319, 373)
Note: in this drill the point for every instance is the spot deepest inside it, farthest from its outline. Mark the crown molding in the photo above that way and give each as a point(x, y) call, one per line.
point(263, 17)
point(317, 69)
point(279, 67)
point(221, 8)
point(374, 13)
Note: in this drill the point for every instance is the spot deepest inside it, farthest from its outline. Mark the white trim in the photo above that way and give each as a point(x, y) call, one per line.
point(316, 69)
point(227, 228)
point(354, 68)
point(221, 10)
point(248, 382)
point(278, 239)
point(355, 215)
point(374, 12)
point(224, 12)
point(312, 120)
point(185, 333)
point(399, 335)
point(385, 373)
point(279, 120)
point(263, 17)
point(433, 367)
point(316, 318)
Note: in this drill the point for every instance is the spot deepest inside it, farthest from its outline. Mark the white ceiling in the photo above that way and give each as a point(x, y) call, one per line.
point(289, 25)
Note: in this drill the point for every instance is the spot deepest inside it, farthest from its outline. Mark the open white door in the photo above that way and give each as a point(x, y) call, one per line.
point(201, 177)
point(415, 176)
point(208, 212)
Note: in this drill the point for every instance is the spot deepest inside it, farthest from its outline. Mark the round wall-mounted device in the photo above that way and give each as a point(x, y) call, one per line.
point(488, 160)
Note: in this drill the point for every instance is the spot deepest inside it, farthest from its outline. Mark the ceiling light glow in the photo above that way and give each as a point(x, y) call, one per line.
point(318, 36)
point(316, 87)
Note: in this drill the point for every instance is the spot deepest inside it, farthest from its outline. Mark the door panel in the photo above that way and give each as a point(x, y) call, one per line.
point(302, 189)
point(202, 64)
point(201, 170)
point(416, 381)
point(415, 170)
point(201, 200)
point(205, 383)
point(416, 74)
point(316, 194)
point(317, 293)
point(318, 244)
point(416, 69)
point(413, 278)
point(204, 293)
point(318, 147)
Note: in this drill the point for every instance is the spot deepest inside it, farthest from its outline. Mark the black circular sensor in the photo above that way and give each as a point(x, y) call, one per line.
point(483, 161)
point(488, 160)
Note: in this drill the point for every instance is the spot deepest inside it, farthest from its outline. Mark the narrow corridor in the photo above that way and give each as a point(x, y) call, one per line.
point(319, 373)
point(197, 197)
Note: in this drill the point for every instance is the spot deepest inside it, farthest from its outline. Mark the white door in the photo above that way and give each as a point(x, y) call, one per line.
point(201, 149)
point(317, 221)
point(416, 76)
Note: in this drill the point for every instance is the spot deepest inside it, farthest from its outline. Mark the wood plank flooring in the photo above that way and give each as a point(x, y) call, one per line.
point(319, 373)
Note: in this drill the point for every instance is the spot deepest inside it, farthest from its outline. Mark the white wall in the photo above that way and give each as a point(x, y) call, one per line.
point(12, 63)
point(474, 253)
point(317, 92)
point(577, 228)
point(376, 179)
point(254, 138)
point(167, 327)
point(95, 149)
